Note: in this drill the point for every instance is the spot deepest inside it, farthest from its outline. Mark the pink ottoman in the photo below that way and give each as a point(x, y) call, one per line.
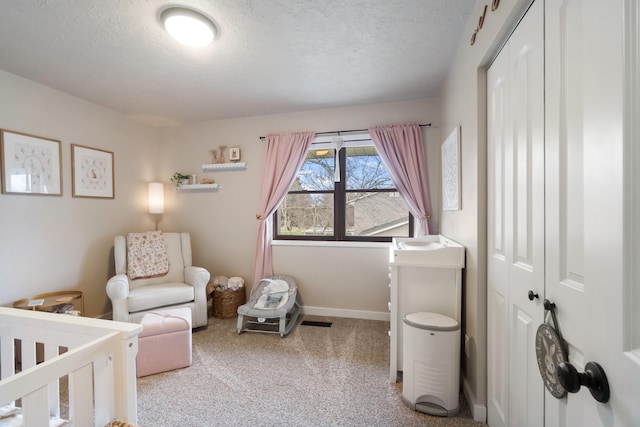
point(165, 341)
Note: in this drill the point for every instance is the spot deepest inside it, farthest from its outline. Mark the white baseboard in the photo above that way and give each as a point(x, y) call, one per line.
point(479, 412)
point(338, 312)
point(319, 311)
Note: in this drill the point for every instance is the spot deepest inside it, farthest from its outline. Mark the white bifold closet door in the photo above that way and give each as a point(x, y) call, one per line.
point(515, 229)
point(563, 209)
point(592, 80)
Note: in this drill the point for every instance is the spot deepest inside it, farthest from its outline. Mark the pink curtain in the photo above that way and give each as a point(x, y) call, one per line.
point(284, 156)
point(402, 152)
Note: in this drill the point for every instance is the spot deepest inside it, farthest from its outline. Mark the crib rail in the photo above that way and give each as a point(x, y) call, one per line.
point(98, 361)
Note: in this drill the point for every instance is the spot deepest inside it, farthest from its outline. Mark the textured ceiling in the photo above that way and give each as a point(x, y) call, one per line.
point(270, 56)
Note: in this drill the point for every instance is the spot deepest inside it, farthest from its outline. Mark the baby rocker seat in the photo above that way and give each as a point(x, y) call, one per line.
point(274, 298)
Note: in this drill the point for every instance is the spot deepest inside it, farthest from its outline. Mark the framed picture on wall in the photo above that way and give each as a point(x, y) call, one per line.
point(91, 172)
point(451, 200)
point(30, 164)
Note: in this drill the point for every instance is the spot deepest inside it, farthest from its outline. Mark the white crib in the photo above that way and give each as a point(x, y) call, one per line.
point(99, 365)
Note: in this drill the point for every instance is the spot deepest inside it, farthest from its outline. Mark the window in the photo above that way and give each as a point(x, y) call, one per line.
point(362, 205)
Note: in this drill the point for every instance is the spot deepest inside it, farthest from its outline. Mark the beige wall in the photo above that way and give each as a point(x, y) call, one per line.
point(339, 279)
point(464, 105)
point(54, 243)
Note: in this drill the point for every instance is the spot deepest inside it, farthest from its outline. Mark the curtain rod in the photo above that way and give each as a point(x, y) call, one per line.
point(428, 125)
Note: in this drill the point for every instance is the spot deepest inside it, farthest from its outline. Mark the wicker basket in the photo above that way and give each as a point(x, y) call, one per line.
point(225, 303)
point(116, 423)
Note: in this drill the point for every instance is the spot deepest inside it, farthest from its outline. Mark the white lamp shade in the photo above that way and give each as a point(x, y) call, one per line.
point(156, 198)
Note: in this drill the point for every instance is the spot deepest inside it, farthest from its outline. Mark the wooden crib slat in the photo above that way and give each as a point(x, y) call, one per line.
point(34, 408)
point(7, 355)
point(51, 351)
point(81, 396)
point(28, 356)
point(104, 401)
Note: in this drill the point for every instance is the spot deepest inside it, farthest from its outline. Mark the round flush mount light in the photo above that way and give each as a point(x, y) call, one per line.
point(188, 26)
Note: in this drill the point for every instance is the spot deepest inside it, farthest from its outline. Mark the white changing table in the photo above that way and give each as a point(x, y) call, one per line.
point(426, 275)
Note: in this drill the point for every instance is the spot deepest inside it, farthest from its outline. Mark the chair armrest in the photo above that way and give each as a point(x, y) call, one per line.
point(197, 277)
point(118, 292)
point(118, 287)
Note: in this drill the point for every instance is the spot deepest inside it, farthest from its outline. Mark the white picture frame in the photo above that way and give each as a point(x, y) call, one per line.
point(450, 152)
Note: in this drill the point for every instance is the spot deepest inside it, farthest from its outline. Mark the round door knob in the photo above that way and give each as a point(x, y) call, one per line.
point(593, 378)
point(533, 295)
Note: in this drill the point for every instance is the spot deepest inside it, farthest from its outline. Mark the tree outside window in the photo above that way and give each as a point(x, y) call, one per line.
point(363, 205)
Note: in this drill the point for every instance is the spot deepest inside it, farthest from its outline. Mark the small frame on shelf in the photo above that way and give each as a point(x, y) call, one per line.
point(30, 164)
point(234, 154)
point(91, 172)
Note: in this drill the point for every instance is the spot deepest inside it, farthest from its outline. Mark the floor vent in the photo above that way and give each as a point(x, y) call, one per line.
point(314, 323)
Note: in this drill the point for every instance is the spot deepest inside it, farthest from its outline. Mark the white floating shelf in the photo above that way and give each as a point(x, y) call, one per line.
point(199, 187)
point(224, 167)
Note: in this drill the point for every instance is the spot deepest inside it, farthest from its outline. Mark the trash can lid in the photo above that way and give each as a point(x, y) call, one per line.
point(431, 321)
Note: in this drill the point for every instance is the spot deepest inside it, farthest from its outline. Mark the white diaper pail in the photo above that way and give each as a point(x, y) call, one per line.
point(431, 363)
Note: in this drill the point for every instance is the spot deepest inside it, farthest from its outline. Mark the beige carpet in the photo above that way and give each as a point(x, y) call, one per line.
point(315, 376)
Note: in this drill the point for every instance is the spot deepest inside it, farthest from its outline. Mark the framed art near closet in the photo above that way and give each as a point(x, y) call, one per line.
point(30, 164)
point(451, 199)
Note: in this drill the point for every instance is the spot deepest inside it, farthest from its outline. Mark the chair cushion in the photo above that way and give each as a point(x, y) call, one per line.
point(153, 296)
point(161, 322)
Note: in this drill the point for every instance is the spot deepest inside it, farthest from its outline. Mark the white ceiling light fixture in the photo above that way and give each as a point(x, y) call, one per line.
point(188, 26)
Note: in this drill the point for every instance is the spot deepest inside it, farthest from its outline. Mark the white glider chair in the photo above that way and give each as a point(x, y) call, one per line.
point(183, 286)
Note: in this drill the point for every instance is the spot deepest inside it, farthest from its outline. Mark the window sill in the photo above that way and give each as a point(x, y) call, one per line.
point(330, 244)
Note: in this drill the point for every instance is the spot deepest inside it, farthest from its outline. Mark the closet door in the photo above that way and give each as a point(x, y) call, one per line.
point(498, 150)
point(592, 77)
point(515, 84)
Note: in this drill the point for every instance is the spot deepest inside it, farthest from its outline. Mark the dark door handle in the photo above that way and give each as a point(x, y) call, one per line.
point(593, 378)
point(532, 295)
